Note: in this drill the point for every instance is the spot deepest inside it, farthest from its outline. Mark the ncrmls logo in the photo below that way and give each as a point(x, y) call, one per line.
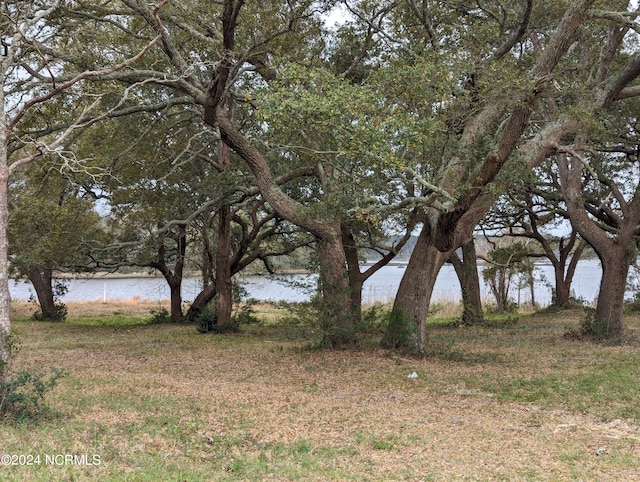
point(72, 459)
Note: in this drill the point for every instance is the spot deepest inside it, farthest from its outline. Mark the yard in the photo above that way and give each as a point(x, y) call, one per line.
point(515, 400)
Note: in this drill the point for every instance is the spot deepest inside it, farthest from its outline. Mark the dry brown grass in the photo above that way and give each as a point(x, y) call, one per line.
point(160, 402)
point(134, 306)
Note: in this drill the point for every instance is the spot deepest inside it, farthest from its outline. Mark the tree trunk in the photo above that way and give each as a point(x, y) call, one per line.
point(339, 317)
point(532, 291)
point(5, 298)
point(175, 289)
point(41, 281)
point(467, 271)
point(205, 296)
point(356, 279)
point(224, 287)
point(174, 279)
point(564, 273)
point(411, 306)
point(563, 289)
point(609, 309)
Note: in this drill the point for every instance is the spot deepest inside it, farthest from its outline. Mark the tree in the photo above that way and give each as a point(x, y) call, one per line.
point(155, 186)
point(240, 56)
point(500, 126)
point(32, 77)
point(186, 71)
point(52, 227)
point(532, 208)
point(506, 262)
point(600, 185)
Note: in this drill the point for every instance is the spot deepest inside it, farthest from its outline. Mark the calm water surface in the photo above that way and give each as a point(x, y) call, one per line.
point(380, 287)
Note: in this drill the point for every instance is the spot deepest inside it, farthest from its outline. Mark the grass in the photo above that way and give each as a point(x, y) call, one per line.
point(508, 401)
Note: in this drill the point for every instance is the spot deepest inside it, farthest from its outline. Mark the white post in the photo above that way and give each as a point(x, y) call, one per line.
point(104, 295)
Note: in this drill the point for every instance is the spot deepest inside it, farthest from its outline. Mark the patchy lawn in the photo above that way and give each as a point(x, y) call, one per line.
point(162, 402)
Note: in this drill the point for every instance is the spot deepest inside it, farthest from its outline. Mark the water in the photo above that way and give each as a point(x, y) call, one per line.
point(382, 286)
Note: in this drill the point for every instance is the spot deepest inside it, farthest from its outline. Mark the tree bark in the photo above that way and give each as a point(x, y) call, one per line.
point(175, 289)
point(205, 296)
point(41, 281)
point(174, 278)
point(224, 287)
point(356, 279)
point(5, 297)
point(416, 287)
point(564, 273)
point(467, 271)
point(609, 309)
point(339, 317)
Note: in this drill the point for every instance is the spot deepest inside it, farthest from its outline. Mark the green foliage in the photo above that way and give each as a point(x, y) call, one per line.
point(59, 313)
point(304, 313)
point(376, 317)
point(206, 319)
point(590, 327)
point(161, 315)
point(245, 315)
point(51, 226)
point(399, 331)
point(507, 262)
point(22, 395)
point(321, 120)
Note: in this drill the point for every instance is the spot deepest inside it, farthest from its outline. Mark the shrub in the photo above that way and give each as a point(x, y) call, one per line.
point(376, 316)
point(206, 319)
point(22, 395)
point(58, 313)
point(160, 315)
point(590, 327)
point(303, 313)
point(594, 327)
point(207, 322)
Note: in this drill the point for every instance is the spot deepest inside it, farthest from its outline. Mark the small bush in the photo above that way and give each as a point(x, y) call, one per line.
point(590, 327)
point(159, 316)
point(22, 396)
point(207, 322)
point(57, 314)
point(206, 319)
point(376, 317)
point(304, 313)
